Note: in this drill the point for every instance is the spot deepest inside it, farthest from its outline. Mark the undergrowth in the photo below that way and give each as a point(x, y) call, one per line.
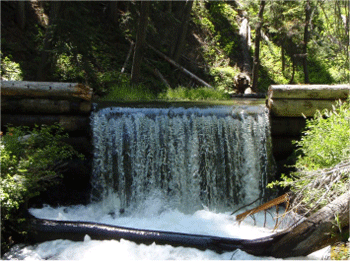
point(29, 165)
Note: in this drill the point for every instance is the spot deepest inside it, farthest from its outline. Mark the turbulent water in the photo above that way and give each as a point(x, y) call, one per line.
point(174, 169)
point(215, 157)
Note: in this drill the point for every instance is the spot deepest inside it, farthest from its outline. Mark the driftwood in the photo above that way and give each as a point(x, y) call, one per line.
point(267, 205)
point(58, 90)
point(319, 230)
point(44, 106)
point(172, 62)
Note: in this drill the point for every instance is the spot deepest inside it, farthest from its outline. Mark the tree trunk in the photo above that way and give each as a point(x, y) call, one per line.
point(319, 230)
point(140, 39)
point(181, 37)
point(257, 47)
point(306, 39)
point(44, 66)
point(21, 14)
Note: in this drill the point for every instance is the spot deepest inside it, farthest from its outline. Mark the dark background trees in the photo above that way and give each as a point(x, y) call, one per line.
point(89, 42)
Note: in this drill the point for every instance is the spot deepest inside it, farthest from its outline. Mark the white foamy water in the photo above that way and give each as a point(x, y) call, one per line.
point(151, 216)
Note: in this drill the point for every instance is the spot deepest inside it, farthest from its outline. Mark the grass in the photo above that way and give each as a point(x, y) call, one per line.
point(128, 93)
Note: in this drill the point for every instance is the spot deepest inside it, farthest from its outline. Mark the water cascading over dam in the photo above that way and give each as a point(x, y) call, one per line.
point(214, 157)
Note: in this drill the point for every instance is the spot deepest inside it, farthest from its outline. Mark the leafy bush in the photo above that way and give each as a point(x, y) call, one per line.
point(29, 161)
point(323, 166)
point(10, 71)
point(326, 141)
point(203, 93)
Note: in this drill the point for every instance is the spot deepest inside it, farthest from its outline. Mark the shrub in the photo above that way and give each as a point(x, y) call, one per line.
point(323, 164)
point(202, 93)
point(29, 161)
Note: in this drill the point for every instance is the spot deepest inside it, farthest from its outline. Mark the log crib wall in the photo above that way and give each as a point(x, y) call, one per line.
point(291, 105)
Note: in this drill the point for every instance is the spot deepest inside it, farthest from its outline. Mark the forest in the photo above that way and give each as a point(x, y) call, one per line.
point(155, 47)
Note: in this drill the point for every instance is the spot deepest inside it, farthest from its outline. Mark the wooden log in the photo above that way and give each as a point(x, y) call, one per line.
point(41, 230)
point(314, 91)
point(172, 62)
point(298, 107)
point(44, 106)
point(312, 234)
point(325, 227)
point(69, 123)
point(59, 90)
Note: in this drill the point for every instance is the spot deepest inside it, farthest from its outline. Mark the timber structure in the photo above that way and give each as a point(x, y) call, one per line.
point(291, 105)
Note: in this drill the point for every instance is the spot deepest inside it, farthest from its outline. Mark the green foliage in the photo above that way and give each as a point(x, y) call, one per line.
point(203, 93)
point(321, 173)
point(127, 92)
point(28, 161)
point(10, 70)
point(326, 140)
point(224, 76)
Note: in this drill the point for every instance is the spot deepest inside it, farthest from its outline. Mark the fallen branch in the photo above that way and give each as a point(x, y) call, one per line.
point(172, 62)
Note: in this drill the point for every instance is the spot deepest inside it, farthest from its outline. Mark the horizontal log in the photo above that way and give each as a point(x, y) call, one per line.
point(305, 237)
point(41, 230)
point(69, 123)
point(297, 108)
point(314, 91)
point(44, 106)
point(61, 90)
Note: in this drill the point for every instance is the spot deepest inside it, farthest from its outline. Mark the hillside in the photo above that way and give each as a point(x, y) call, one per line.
point(90, 42)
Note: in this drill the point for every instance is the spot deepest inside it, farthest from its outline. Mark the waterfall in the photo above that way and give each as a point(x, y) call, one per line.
point(215, 157)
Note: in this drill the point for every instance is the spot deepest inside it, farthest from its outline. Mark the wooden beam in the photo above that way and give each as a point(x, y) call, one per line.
point(314, 91)
point(298, 107)
point(58, 90)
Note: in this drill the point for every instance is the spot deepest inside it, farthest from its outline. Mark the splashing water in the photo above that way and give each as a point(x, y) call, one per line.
point(215, 157)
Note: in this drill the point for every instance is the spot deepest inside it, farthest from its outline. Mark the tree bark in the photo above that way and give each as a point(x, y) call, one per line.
point(257, 47)
point(319, 230)
point(140, 39)
point(58, 90)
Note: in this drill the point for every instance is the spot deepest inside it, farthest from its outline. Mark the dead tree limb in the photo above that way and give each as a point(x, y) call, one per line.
point(128, 56)
point(172, 62)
